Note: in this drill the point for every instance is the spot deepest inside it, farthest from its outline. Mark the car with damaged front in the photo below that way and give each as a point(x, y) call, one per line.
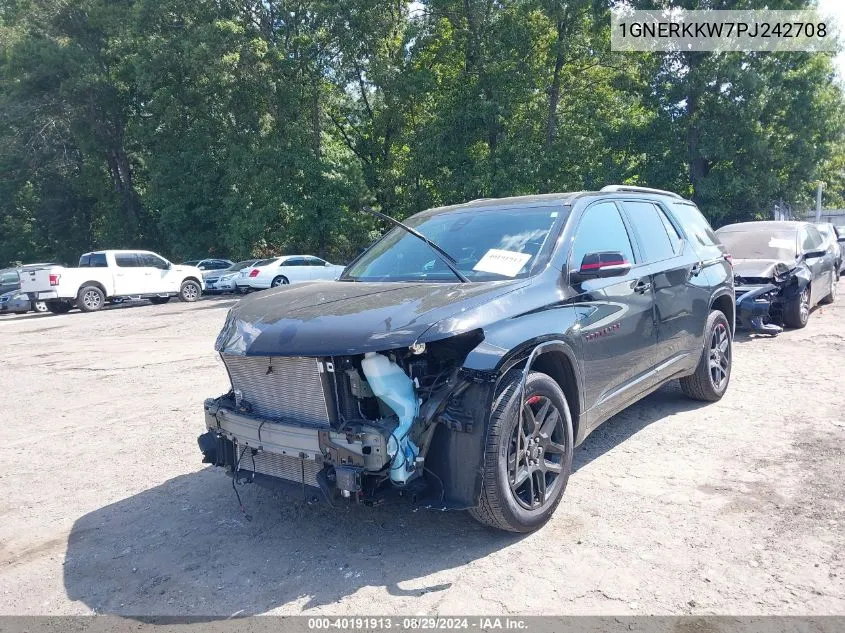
point(459, 359)
point(781, 270)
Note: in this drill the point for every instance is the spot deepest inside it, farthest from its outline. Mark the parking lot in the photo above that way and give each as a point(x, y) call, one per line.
point(674, 507)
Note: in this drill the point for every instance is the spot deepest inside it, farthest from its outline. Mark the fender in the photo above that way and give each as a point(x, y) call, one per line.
point(458, 458)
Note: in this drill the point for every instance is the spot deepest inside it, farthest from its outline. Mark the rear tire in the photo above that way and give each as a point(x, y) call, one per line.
point(90, 299)
point(159, 300)
point(39, 306)
point(713, 373)
point(281, 280)
point(190, 291)
point(796, 313)
point(538, 455)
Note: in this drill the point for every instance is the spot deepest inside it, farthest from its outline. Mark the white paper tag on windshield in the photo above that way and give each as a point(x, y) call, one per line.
point(507, 263)
point(778, 242)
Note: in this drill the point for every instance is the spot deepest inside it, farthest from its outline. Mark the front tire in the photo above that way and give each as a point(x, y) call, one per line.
point(527, 463)
point(90, 299)
point(713, 373)
point(190, 291)
point(796, 313)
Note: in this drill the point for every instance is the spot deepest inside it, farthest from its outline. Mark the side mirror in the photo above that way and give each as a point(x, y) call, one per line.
point(201, 267)
point(168, 266)
point(601, 265)
point(814, 254)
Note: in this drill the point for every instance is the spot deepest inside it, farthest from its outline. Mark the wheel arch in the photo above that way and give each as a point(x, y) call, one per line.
point(555, 358)
point(191, 278)
point(96, 284)
point(725, 303)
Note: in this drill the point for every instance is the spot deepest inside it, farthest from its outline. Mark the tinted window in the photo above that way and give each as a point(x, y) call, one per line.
point(9, 278)
point(601, 229)
point(150, 260)
point(671, 231)
point(126, 260)
point(651, 229)
point(94, 260)
point(314, 261)
point(294, 261)
point(695, 225)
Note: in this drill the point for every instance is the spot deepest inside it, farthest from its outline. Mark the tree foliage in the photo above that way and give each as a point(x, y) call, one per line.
point(250, 127)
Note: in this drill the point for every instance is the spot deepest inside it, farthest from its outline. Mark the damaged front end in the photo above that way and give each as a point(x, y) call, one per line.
point(761, 300)
point(359, 426)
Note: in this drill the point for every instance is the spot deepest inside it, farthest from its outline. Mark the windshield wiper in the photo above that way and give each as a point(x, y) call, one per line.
point(450, 261)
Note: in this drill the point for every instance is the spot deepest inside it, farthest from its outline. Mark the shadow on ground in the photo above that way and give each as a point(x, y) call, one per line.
point(184, 548)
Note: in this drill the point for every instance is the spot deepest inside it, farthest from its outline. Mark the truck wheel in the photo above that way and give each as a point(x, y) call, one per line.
point(58, 307)
point(159, 300)
point(711, 377)
point(190, 291)
point(797, 312)
point(90, 299)
point(527, 462)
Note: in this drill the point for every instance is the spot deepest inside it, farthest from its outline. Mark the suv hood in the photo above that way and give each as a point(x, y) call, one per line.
point(339, 318)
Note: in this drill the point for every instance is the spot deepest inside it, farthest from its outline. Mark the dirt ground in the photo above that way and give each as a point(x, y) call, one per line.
point(674, 507)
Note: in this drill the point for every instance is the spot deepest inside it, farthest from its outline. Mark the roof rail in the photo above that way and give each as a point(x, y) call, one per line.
point(635, 189)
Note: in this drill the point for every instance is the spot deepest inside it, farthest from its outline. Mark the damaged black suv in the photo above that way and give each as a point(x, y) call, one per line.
point(460, 359)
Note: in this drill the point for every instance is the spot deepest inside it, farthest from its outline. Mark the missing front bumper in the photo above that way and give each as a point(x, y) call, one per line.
point(753, 309)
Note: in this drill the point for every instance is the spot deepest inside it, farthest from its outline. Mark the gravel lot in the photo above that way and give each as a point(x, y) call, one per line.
point(674, 507)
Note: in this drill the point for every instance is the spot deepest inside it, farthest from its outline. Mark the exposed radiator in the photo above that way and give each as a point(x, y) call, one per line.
point(281, 466)
point(280, 387)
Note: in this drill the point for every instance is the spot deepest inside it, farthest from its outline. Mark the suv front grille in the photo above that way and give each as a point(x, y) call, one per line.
point(288, 389)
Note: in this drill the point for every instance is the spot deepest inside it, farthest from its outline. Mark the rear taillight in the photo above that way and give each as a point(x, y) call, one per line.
point(54, 279)
point(253, 272)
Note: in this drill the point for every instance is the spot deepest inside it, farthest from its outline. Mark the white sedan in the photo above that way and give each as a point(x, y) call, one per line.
point(291, 269)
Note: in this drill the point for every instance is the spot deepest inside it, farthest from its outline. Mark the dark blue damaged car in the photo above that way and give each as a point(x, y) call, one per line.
point(460, 359)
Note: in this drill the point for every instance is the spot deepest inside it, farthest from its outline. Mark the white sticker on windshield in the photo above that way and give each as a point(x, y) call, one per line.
point(507, 263)
point(777, 242)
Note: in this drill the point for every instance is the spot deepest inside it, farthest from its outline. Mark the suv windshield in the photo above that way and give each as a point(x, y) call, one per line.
point(487, 244)
point(780, 245)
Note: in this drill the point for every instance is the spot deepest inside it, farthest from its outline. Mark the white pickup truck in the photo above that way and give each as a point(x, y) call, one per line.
point(111, 276)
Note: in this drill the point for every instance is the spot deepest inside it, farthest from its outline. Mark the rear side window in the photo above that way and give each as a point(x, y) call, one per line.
point(314, 261)
point(295, 261)
point(601, 230)
point(651, 229)
point(9, 278)
point(94, 260)
point(695, 225)
point(126, 260)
